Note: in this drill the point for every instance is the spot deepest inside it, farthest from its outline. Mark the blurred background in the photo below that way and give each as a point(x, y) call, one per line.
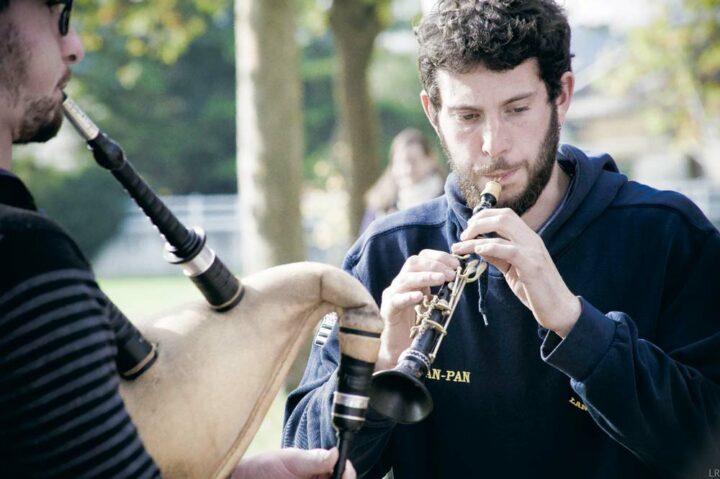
point(266, 122)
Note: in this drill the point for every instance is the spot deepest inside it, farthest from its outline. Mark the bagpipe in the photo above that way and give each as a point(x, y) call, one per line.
point(199, 380)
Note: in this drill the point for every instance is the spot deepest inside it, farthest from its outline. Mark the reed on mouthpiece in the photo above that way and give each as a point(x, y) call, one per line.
point(493, 187)
point(489, 196)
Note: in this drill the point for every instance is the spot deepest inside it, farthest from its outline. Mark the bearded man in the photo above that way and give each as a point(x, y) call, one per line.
point(602, 354)
point(61, 414)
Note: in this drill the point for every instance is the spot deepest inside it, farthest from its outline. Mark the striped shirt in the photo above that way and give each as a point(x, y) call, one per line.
point(61, 414)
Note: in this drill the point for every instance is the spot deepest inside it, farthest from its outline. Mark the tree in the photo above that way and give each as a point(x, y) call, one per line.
point(675, 60)
point(269, 132)
point(142, 86)
point(356, 24)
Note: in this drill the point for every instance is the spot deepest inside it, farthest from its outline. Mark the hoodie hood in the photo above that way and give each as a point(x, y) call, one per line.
point(594, 184)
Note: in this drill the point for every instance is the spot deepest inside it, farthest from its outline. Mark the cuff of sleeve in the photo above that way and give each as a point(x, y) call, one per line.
point(585, 345)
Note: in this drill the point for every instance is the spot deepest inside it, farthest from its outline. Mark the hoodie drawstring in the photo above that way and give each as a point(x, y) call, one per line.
point(483, 289)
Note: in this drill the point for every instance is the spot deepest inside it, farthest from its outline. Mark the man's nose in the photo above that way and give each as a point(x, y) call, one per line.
point(72, 47)
point(494, 136)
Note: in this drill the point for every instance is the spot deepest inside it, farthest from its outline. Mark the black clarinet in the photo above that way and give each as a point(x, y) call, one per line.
point(185, 247)
point(399, 393)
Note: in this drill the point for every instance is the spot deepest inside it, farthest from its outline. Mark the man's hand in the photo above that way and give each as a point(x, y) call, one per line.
point(520, 254)
point(418, 274)
point(291, 463)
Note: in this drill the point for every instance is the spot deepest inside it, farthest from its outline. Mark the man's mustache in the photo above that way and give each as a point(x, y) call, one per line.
point(482, 170)
point(65, 79)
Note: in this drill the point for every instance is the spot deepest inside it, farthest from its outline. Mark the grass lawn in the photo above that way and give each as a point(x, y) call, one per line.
point(147, 296)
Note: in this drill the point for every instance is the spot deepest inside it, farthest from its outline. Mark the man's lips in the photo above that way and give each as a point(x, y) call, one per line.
point(500, 175)
point(65, 80)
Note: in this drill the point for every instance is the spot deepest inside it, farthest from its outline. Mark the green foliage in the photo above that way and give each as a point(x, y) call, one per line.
point(396, 89)
point(160, 29)
point(676, 60)
point(159, 77)
point(88, 203)
point(176, 122)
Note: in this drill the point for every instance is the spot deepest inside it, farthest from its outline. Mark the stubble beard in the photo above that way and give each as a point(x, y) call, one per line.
point(538, 174)
point(41, 117)
point(41, 122)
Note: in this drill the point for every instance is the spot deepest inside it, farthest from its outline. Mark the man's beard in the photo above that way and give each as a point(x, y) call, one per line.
point(42, 120)
point(42, 117)
point(538, 173)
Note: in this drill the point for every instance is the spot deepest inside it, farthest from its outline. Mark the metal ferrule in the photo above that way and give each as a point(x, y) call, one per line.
point(418, 355)
point(200, 263)
point(350, 400)
point(80, 120)
point(349, 417)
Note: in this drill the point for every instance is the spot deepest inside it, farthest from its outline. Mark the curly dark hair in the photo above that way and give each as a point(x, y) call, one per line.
point(459, 35)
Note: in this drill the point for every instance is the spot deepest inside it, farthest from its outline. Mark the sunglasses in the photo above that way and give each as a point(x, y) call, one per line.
point(64, 23)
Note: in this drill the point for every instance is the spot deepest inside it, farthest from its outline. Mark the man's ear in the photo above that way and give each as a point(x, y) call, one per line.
point(562, 102)
point(429, 109)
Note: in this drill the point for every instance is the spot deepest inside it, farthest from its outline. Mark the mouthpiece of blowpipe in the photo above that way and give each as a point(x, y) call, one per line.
point(488, 197)
point(359, 343)
point(185, 247)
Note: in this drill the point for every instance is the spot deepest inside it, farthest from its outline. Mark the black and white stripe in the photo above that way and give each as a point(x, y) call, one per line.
point(326, 325)
point(60, 411)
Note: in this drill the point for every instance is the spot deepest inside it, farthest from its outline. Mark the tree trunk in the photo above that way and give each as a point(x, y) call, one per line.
point(269, 133)
point(355, 25)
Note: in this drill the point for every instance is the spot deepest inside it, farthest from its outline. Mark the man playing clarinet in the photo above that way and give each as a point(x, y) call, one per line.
point(601, 357)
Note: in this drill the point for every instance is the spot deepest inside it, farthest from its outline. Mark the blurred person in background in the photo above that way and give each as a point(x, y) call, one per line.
point(413, 175)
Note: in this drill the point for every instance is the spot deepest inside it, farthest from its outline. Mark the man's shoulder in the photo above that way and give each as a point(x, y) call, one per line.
point(31, 245)
point(431, 214)
point(20, 220)
point(402, 234)
point(666, 203)
point(407, 224)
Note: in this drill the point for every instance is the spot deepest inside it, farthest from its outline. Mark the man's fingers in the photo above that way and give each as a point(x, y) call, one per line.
point(498, 250)
point(398, 302)
point(470, 246)
point(415, 281)
point(311, 462)
point(503, 222)
point(430, 260)
point(330, 459)
point(349, 471)
point(441, 257)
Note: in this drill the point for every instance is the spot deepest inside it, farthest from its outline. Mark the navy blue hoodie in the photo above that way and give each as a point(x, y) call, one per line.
point(632, 392)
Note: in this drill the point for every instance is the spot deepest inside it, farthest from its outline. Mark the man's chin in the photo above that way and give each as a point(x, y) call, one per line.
point(38, 131)
point(48, 131)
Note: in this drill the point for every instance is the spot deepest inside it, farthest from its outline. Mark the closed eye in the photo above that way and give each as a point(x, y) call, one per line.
point(467, 117)
point(519, 109)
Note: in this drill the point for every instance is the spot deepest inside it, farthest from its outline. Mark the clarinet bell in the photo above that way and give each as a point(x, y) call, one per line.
point(399, 395)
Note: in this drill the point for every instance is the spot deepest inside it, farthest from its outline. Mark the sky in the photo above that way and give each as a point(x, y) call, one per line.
point(619, 14)
point(616, 13)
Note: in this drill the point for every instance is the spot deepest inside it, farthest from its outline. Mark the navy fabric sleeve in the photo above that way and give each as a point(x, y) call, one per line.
point(660, 399)
point(61, 414)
